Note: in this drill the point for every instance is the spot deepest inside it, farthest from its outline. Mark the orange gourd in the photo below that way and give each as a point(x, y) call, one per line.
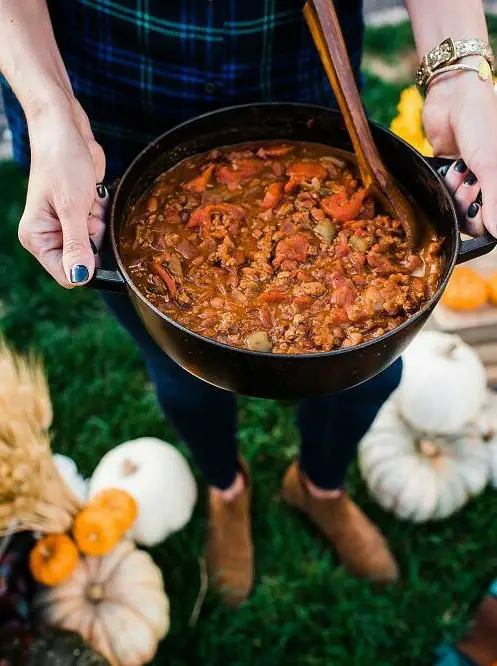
point(492, 288)
point(118, 503)
point(96, 532)
point(53, 559)
point(467, 290)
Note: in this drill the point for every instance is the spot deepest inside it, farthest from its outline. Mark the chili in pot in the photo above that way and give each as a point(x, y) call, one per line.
point(275, 247)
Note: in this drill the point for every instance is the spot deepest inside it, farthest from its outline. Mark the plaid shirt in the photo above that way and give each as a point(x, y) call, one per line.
point(139, 67)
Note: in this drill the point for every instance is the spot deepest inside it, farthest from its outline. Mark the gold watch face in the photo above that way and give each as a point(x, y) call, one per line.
point(485, 71)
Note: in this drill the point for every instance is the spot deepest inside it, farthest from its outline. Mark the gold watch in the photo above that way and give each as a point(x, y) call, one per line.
point(444, 57)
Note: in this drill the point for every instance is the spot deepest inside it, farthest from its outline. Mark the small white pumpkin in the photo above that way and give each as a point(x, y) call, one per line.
point(69, 472)
point(117, 603)
point(158, 477)
point(443, 384)
point(487, 423)
point(417, 478)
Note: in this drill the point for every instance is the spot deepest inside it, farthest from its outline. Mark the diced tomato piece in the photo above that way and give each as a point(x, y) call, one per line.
point(353, 224)
point(239, 257)
point(287, 265)
point(273, 296)
point(303, 301)
point(239, 171)
point(171, 215)
point(342, 250)
point(303, 171)
point(227, 176)
point(164, 275)
point(265, 316)
point(250, 167)
point(202, 214)
point(338, 316)
point(199, 184)
point(307, 170)
point(274, 151)
point(344, 292)
point(293, 248)
point(288, 227)
point(292, 184)
point(341, 208)
point(273, 195)
point(187, 249)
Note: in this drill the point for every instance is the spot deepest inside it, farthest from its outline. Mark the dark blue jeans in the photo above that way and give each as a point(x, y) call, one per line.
point(206, 417)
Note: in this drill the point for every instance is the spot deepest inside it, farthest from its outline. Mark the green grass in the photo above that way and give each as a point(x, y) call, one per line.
point(381, 98)
point(388, 42)
point(306, 610)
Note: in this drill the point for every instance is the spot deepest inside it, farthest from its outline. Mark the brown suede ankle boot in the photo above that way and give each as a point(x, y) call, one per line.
point(230, 556)
point(359, 544)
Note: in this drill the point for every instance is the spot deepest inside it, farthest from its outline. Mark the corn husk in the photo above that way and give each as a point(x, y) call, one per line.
point(33, 495)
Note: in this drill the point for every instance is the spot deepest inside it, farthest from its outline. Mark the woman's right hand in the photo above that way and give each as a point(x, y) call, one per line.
point(64, 206)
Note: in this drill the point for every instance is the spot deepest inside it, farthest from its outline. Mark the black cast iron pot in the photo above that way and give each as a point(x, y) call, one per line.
point(273, 375)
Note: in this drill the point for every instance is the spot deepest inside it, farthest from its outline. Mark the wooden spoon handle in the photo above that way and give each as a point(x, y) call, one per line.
point(330, 42)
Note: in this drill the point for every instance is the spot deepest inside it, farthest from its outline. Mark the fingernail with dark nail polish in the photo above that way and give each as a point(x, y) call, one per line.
point(460, 166)
point(470, 179)
point(79, 273)
point(473, 210)
point(101, 191)
point(443, 170)
point(479, 198)
point(94, 248)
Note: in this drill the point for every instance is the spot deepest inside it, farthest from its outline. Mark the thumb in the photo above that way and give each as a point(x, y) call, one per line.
point(77, 256)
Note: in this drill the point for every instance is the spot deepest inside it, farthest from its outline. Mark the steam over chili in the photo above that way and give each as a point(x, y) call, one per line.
point(276, 248)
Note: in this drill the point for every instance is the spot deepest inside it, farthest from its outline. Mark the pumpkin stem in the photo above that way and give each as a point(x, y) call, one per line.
point(428, 448)
point(95, 592)
point(44, 551)
point(448, 352)
point(128, 467)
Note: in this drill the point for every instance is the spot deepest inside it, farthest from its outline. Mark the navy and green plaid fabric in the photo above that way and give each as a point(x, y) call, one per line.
point(141, 66)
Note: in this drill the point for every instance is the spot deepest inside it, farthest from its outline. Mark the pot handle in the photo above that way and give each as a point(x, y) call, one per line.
point(475, 247)
point(106, 278)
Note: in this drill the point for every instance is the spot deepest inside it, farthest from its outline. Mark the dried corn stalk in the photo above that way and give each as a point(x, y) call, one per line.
point(33, 495)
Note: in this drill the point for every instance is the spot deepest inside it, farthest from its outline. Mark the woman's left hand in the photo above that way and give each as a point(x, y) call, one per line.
point(460, 117)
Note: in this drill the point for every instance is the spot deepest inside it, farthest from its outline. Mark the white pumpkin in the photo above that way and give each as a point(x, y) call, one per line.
point(417, 478)
point(487, 423)
point(69, 472)
point(158, 477)
point(117, 603)
point(443, 384)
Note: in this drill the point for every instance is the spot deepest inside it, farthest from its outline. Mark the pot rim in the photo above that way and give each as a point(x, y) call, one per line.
point(421, 313)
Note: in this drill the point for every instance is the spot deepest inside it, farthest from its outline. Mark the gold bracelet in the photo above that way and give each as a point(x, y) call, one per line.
point(484, 71)
point(448, 53)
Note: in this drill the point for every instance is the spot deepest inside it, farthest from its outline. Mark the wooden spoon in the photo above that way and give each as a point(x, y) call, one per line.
point(325, 28)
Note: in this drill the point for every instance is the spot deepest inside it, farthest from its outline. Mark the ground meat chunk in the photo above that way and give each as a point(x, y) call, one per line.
point(310, 289)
